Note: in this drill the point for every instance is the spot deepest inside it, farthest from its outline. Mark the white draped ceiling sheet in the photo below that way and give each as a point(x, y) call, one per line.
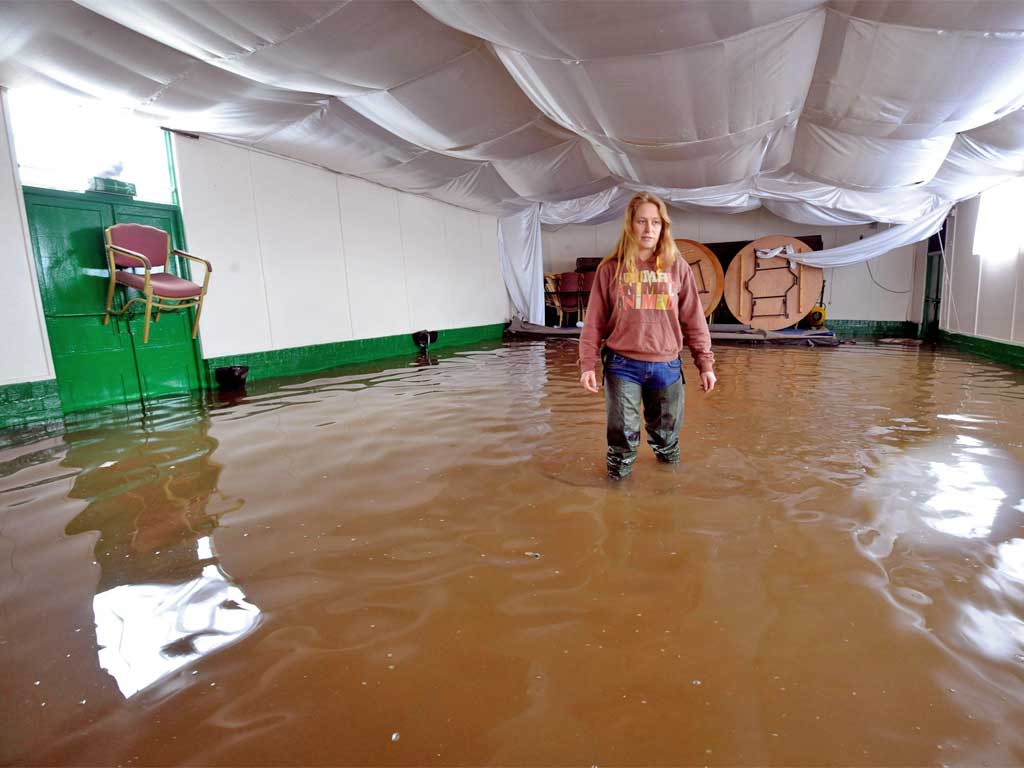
point(554, 111)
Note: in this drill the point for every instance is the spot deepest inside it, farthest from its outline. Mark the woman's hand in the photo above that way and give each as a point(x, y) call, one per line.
point(707, 380)
point(589, 381)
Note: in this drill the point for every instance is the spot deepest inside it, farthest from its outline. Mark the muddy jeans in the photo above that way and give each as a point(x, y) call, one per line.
point(658, 387)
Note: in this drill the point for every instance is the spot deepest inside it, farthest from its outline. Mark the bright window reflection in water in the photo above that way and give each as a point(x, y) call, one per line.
point(973, 446)
point(968, 442)
point(965, 498)
point(1011, 559)
point(961, 418)
point(997, 635)
point(147, 631)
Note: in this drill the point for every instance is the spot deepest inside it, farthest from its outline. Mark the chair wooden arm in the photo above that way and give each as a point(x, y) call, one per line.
point(190, 257)
point(204, 262)
point(132, 255)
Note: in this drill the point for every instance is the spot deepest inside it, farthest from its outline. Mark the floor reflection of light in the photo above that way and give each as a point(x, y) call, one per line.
point(997, 635)
point(979, 451)
point(967, 501)
point(962, 418)
point(969, 442)
point(147, 631)
point(1011, 559)
point(204, 549)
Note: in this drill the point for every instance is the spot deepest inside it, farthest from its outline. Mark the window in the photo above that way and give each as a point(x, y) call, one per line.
point(62, 141)
point(999, 233)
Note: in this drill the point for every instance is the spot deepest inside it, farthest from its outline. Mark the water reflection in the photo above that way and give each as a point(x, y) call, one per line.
point(998, 627)
point(163, 599)
point(147, 631)
point(965, 500)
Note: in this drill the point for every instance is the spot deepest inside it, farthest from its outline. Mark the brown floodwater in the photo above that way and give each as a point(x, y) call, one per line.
point(424, 565)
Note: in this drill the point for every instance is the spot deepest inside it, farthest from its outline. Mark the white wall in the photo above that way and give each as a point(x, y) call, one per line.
point(983, 277)
point(850, 292)
point(302, 256)
point(26, 354)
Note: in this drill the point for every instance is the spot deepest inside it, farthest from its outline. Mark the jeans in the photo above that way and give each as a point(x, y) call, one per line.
point(658, 387)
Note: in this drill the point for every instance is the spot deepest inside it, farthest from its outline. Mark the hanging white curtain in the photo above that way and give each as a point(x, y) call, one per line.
point(522, 262)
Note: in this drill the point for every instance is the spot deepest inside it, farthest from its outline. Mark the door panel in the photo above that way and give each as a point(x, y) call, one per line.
point(167, 364)
point(67, 238)
point(95, 364)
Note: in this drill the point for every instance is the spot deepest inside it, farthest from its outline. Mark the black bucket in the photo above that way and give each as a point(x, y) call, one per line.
point(423, 339)
point(231, 376)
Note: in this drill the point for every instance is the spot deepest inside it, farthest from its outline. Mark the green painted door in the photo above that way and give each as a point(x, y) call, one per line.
point(99, 364)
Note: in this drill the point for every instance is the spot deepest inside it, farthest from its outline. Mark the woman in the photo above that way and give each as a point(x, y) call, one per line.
point(643, 305)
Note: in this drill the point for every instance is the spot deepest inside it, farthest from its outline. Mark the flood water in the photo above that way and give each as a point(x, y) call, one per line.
point(403, 565)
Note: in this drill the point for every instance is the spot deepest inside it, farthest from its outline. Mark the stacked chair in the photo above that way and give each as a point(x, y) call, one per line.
point(568, 293)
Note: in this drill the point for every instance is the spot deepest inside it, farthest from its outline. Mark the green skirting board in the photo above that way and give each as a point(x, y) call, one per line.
point(32, 402)
point(1003, 352)
point(319, 357)
point(875, 328)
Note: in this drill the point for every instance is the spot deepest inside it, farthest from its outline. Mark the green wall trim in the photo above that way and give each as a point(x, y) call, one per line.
point(29, 403)
point(454, 337)
point(319, 357)
point(880, 328)
point(172, 172)
point(1003, 352)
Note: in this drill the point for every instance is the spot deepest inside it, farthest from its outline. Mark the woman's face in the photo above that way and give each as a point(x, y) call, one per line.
point(647, 225)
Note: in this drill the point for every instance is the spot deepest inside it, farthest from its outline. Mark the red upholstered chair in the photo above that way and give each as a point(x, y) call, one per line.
point(136, 245)
point(569, 284)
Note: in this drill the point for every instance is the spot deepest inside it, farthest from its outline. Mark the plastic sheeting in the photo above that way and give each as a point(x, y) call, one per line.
point(611, 204)
point(861, 250)
point(672, 124)
point(522, 263)
point(833, 112)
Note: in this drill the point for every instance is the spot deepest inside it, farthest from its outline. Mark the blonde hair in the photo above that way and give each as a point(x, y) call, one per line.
point(625, 253)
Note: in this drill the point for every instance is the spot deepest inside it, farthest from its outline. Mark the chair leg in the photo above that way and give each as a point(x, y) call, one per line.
point(145, 327)
point(199, 311)
point(110, 299)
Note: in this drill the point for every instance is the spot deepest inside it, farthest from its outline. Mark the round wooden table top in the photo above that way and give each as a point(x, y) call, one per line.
point(707, 272)
point(771, 294)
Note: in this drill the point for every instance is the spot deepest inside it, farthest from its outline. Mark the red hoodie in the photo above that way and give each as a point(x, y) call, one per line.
point(646, 315)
